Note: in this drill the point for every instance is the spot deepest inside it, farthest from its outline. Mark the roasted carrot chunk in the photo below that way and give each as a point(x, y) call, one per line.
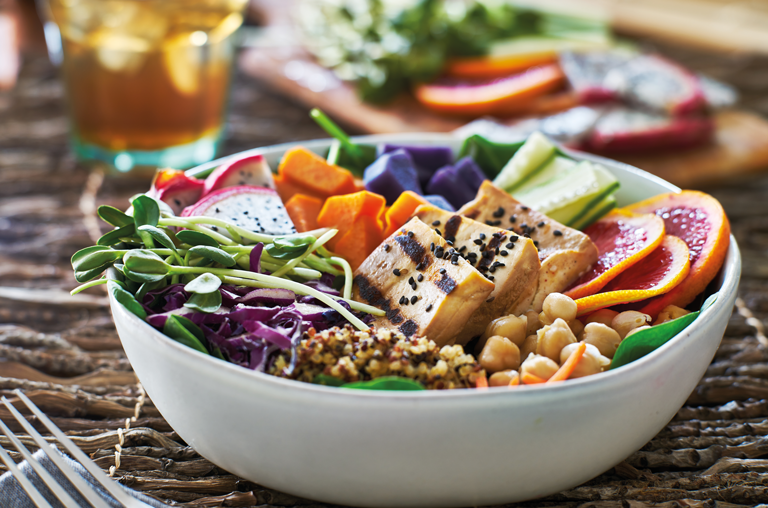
point(312, 172)
point(303, 211)
point(402, 210)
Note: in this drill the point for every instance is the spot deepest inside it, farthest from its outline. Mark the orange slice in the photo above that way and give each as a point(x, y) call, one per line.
point(700, 221)
point(622, 239)
point(498, 96)
point(490, 67)
point(655, 274)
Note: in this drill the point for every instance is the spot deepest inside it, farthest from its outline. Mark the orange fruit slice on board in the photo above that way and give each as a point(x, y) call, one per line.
point(490, 67)
point(655, 274)
point(700, 221)
point(498, 96)
point(622, 239)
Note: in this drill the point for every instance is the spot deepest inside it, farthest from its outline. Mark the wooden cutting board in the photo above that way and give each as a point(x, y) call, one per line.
point(740, 145)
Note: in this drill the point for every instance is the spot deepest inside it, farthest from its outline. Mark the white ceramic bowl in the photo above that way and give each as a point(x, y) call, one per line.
point(451, 448)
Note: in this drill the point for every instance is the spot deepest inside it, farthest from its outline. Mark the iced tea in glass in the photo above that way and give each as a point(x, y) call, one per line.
point(147, 80)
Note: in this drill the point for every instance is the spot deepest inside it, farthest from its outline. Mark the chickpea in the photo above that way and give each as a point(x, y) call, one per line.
point(669, 313)
point(499, 354)
point(502, 378)
point(591, 363)
point(544, 320)
point(635, 330)
point(557, 305)
point(529, 346)
point(604, 316)
point(628, 320)
point(553, 338)
point(533, 322)
point(540, 366)
point(576, 326)
point(603, 337)
point(511, 327)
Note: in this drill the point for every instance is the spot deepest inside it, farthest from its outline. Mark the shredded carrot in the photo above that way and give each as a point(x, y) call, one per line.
point(481, 382)
point(565, 371)
point(531, 379)
point(515, 380)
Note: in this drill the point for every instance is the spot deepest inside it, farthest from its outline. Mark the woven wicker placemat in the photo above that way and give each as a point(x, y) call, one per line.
point(64, 353)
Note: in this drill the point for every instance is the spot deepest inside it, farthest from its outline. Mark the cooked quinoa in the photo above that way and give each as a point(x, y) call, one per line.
point(352, 355)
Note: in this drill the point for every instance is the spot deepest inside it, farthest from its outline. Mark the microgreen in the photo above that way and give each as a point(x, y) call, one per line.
point(196, 238)
point(113, 216)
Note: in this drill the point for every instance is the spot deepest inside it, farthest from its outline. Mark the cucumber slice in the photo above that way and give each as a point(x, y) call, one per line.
point(534, 152)
point(556, 166)
point(607, 183)
point(603, 207)
point(542, 45)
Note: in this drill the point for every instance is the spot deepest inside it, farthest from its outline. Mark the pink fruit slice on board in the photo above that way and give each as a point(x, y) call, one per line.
point(174, 188)
point(254, 208)
point(622, 239)
point(624, 130)
point(656, 274)
point(252, 170)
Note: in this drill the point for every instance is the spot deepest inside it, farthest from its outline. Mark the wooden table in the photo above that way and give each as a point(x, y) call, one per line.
point(64, 353)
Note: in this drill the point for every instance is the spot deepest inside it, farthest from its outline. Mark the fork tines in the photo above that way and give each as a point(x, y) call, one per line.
point(79, 482)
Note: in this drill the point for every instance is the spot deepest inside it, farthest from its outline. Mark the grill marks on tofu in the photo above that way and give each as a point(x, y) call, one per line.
point(424, 289)
point(512, 265)
point(564, 252)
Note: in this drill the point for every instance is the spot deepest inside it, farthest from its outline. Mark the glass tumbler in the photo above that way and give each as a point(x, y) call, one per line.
point(147, 80)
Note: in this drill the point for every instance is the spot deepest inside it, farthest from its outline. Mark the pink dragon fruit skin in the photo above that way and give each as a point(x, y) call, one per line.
point(252, 170)
point(655, 83)
point(174, 188)
point(623, 130)
point(257, 209)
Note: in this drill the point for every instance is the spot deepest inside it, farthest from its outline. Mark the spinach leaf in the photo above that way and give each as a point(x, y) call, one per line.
point(126, 299)
point(489, 155)
point(326, 380)
point(645, 341)
point(186, 332)
point(392, 383)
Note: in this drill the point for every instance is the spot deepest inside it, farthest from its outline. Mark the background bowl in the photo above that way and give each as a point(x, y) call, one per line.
point(452, 448)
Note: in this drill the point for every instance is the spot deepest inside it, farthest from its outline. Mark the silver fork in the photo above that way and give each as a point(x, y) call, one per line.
point(76, 479)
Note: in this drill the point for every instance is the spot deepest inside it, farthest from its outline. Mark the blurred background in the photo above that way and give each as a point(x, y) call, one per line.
point(134, 85)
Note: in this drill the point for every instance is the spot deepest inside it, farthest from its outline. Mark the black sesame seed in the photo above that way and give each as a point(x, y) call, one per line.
point(438, 232)
point(499, 213)
point(482, 236)
point(524, 208)
point(410, 280)
point(429, 308)
point(449, 243)
point(478, 242)
point(557, 232)
point(541, 224)
point(513, 238)
point(450, 239)
point(510, 245)
point(442, 270)
point(432, 247)
point(436, 223)
point(462, 248)
point(414, 299)
point(217, 210)
point(420, 278)
point(410, 234)
point(402, 300)
point(535, 244)
point(245, 212)
point(214, 228)
point(396, 271)
point(413, 286)
point(492, 269)
point(387, 247)
point(489, 300)
point(504, 253)
point(513, 219)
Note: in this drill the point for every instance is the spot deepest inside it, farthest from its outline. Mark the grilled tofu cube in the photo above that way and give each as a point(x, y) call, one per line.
point(424, 289)
point(513, 266)
point(564, 253)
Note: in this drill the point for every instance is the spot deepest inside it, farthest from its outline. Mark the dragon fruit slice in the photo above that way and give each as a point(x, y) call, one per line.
point(252, 170)
point(174, 188)
point(586, 73)
point(623, 130)
point(653, 82)
point(254, 208)
point(718, 94)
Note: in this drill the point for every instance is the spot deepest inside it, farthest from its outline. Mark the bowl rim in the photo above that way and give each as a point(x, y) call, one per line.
point(731, 272)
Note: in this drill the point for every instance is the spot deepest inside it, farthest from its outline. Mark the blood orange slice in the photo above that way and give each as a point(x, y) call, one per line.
point(655, 274)
point(500, 96)
point(622, 239)
point(700, 221)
